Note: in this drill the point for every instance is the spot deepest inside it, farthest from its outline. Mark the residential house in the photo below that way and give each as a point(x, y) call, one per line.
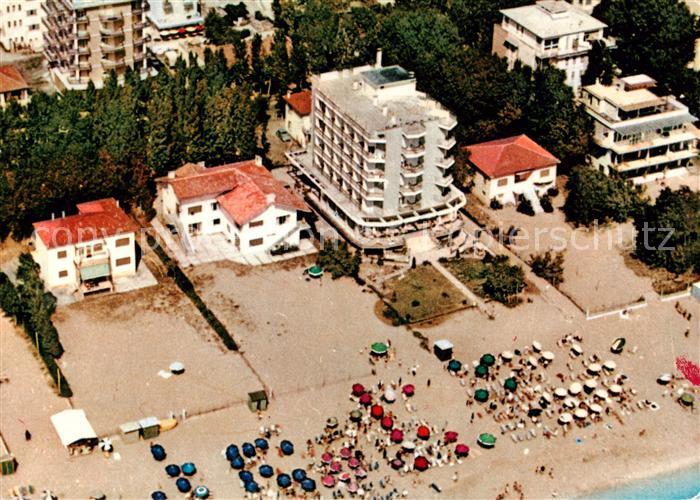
point(639, 135)
point(20, 25)
point(548, 32)
point(379, 163)
point(242, 203)
point(507, 168)
point(297, 116)
point(87, 251)
point(13, 87)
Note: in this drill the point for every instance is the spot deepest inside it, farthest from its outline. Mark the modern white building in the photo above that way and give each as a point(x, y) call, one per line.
point(639, 135)
point(86, 251)
point(585, 5)
point(171, 17)
point(297, 116)
point(241, 202)
point(380, 159)
point(548, 32)
point(20, 25)
point(506, 168)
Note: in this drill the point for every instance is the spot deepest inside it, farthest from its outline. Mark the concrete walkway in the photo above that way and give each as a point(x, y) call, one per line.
point(473, 298)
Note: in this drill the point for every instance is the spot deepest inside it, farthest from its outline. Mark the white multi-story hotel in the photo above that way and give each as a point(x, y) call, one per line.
point(86, 251)
point(175, 16)
point(639, 135)
point(380, 159)
point(548, 32)
point(20, 25)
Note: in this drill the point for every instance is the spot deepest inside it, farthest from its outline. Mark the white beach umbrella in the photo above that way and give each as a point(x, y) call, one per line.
point(580, 413)
point(570, 402)
point(595, 408)
point(575, 388)
point(560, 392)
point(532, 361)
point(594, 368)
point(565, 418)
point(590, 385)
point(390, 395)
point(615, 389)
point(548, 356)
point(610, 365)
point(507, 355)
point(537, 346)
point(601, 394)
point(576, 350)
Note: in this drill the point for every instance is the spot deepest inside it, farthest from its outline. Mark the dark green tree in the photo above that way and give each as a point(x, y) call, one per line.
point(549, 265)
point(503, 281)
point(600, 65)
point(336, 258)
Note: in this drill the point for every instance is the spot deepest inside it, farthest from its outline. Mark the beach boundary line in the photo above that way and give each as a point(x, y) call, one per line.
point(620, 309)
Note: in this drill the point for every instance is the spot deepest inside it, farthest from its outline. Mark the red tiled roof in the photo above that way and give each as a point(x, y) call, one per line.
point(11, 79)
point(300, 102)
point(94, 220)
point(509, 156)
point(244, 190)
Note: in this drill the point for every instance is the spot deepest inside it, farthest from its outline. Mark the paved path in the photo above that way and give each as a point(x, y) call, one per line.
point(477, 301)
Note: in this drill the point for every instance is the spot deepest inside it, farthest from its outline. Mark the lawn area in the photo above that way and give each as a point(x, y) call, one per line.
point(471, 272)
point(423, 293)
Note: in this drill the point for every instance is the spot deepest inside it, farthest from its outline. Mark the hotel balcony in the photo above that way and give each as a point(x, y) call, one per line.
point(139, 41)
point(110, 18)
point(445, 163)
point(373, 193)
point(83, 65)
point(447, 124)
point(83, 35)
point(414, 132)
point(113, 63)
point(411, 189)
point(408, 168)
point(138, 57)
point(444, 181)
point(84, 51)
point(114, 31)
point(413, 152)
point(109, 48)
point(447, 144)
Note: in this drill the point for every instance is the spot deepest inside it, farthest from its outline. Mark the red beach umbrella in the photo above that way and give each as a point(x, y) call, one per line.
point(377, 411)
point(461, 450)
point(397, 435)
point(345, 477)
point(353, 487)
point(397, 463)
point(345, 453)
point(366, 399)
point(409, 390)
point(328, 481)
point(423, 432)
point(421, 464)
point(353, 463)
point(358, 389)
point(451, 436)
point(336, 467)
point(387, 423)
point(326, 458)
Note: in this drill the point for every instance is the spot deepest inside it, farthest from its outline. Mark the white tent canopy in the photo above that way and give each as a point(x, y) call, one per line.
point(72, 426)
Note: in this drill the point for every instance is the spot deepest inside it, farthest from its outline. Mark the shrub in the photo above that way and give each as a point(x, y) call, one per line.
point(549, 266)
point(503, 281)
point(553, 192)
point(546, 204)
point(496, 204)
point(336, 258)
point(525, 207)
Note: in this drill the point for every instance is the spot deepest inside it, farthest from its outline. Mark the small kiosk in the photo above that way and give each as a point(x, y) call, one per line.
point(257, 401)
point(443, 349)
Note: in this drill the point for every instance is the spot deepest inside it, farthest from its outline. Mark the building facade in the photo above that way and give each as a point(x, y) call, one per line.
point(380, 159)
point(87, 39)
point(507, 168)
point(13, 87)
point(167, 16)
point(585, 5)
point(251, 210)
point(639, 135)
point(86, 251)
point(548, 32)
point(297, 116)
point(20, 25)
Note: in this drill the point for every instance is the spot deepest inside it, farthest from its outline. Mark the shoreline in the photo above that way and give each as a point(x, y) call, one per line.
point(677, 466)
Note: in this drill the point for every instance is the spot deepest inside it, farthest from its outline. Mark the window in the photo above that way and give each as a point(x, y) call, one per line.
point(255, 223)
point(217, 222)
point(552, 43)
point(282, 220)
point(502, 182)
point(544, 173)
point(215, 205)
point(31, 12)
point(97, 247)
point(256, 242)
point(124, 261)
point(194, 210)
point(122, 242)
point(62, 274)
point(62, 254)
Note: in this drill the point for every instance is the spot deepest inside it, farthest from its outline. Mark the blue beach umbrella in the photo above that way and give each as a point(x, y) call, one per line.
point(158, 452)
point(158, 495)
point(245, 476)
point(232, 452)
point(261, 444)
point(308, 485)
point(287, 447)
point(237, 463)
point(252, 487)
point(284, 481)
point(183, 485)
point(172, 470)
point(266, 471)
point(299, 475)
point(188, 469)
point(201, 492)
point(248, 450)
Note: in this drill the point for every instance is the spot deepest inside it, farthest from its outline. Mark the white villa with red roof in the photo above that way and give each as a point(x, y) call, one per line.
point(508, 167)
point(297, 116)
point(242, 201)
point(86, 251)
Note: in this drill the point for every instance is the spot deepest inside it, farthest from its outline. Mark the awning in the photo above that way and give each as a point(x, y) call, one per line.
point(654, 124)
point(72, 426)
point(93, 272)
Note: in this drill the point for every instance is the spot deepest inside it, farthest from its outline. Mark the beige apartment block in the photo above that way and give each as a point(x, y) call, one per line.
point(20, 25)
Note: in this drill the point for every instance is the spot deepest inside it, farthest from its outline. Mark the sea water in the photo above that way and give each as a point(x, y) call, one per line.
point(680, 485)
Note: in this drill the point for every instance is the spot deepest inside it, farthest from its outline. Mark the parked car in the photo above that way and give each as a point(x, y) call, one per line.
point(283, 135)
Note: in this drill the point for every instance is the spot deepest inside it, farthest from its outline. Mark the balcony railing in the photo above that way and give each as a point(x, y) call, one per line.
point(447, 144)
point(415, 169)
point(411, 189)
point(445, 163)
point(113, 63)
point(110, 18)
point(444, 181)
point(111, 31)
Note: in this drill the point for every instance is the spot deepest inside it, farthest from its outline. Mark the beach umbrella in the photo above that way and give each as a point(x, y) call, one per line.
point(409, 390)
point(232, 452)
point(358, 389)
point(353, 463)
point(590, 385)
point(331, 422)
point(345, 477)
point(355, 415)
point(328, 481)
point(387, 422)
point(450, 436)
point(570, 402)
point(487, 360)
point(481, 371)
point(580, 413)
point(397, 463)
point(308, 485)
point(345, 453)
point(248, 450)
point(461, 450)
point(510, 384)
point(106, 445)
point(532, 361)
point(454, 365)
point(390, 395)
point(315, 271)
point(284, 481)
point(183, 485)
point(687, 399)
point(601, 394)
point(366, 399)
point(594, 368)
point(245, 476)
point(201, 492)
point(158, 495)
point(576, 350)
point(575, 388)
point(486, 440)
point(595, 408)
point(326, 458)
point(615, 389)
point(397, 435)
point(252, 487)
point(565, 418)
point(534, 412)
point(560, 392)
point(177, 368)
point(172, 470)
point(158, 452)
point(618, 345)
point(423, 432)
point(335, 467)
point(536, 346)
point(360, 472)
point(421, 464)
point(481, 395)
point(353, 487)
point(379, 348)
point(548, 356)
point(261, 444)
point(507, 355)
point(266, 471)
point(237, 463)
point(299, 474)
point(609, 365)
point(189, 469)
point(664, 378)
point(377, 411)
point(408, 445)
point(287, 447)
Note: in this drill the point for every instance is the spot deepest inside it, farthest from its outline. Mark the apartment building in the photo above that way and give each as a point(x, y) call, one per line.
point(87, 39)
point(20, 25)
point(13, 87)
point(380, 158)
point(87, 251)
point(171, 17)
point(241, 203)
point(639, 135)
point(548, 32)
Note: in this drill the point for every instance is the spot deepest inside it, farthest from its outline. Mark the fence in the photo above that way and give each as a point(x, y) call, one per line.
point(619, 309)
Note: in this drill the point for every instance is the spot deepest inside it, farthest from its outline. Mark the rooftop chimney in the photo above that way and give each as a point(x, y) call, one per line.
point(378, 64)
point(270, 197)
point(258, 160)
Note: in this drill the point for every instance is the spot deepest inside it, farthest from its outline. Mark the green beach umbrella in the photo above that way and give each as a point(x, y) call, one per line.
point(510, 384)
point(355, 415)
point(454, 365)
point(481, 395)
point(315, 271)
point(379, 348)
point(486, 440)
point(687, 399)
point(481, 371)
point(487, 360)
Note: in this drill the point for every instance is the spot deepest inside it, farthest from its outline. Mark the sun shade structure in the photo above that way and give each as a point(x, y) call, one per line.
point(618, 345)
point(358, 389)
point(409, 390)
point(462, 450)
point(481, 395)
point(237, 463)
point(423, 432)
point(366, 399)
point(201, 492)
point(74, 429)
point(266, 471)
point(487, 360)
point(183, 485)
point(284, 481)
point(245, 476)
point(454, 365)
point(481, 371)
point(189, 469)
point(172, 470)
point(421, 464)
point(379, 348)
point(287, 447)
point(510, 384)
point(299, 475)
point(486, 440)
point(450, 436)
point(377, 411)
point(315, 271)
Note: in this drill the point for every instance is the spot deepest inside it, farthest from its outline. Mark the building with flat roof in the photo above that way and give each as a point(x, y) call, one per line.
point(175, 16)
point(13, 86)
point(548, 32)
point(585, 5)
point(380, 157)
point(87, 39)
point(639, 135)
point(20, 25)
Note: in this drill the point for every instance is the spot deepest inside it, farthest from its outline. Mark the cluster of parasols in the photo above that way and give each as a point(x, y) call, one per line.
point(181, 474)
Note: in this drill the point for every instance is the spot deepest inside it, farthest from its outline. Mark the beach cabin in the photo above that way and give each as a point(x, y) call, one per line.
point(74, 431)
